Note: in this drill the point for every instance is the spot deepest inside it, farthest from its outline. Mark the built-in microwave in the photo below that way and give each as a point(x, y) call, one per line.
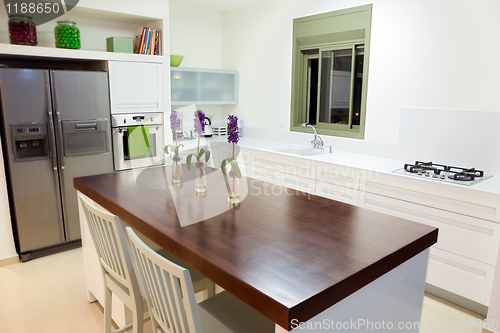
point(138, 140)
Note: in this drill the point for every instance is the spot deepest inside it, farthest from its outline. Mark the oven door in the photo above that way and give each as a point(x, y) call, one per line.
point(124, 159)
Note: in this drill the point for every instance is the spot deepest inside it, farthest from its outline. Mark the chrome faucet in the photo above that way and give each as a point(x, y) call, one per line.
point(317, 142)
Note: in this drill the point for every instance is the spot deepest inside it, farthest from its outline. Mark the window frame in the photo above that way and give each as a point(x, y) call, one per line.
point(343, 34)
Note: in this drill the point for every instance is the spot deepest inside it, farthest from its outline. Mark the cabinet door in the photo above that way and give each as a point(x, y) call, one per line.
point(266, 175)
point(203, 86)
point(136, 87)
point(284, 164)
point(218, 87)
point(461, 276)
point(298, 183)
point(337, 192)
point(463, 235)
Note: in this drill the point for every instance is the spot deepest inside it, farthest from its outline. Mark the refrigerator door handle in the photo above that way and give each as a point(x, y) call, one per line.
point(60, 152)
point(53, 150)
point(60, 142)
point(50, 134)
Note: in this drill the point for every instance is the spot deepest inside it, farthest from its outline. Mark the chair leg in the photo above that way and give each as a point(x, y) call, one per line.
point(107, 310)
point(138, 318)
point(210, 289)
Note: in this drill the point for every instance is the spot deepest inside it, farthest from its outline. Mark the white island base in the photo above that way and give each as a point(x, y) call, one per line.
point(392, 302)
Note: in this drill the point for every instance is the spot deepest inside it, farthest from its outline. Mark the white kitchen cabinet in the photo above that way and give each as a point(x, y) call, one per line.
point(337, 192)
point(464, 258)
point(298, 183)
point(338, 182)
point(463, 235)
point(136, 87)
point(459, 275)
point(293, 173)
point(203, 86)
point(445, 197)
point(284, 164)
point(266, 175)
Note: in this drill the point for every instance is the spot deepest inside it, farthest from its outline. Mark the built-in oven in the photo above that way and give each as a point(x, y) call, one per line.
point(138, 140)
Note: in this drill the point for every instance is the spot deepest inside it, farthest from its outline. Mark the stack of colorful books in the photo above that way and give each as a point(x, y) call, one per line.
point(149, 42)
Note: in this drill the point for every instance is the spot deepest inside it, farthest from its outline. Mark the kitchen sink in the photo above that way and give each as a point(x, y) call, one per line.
point(302, 151)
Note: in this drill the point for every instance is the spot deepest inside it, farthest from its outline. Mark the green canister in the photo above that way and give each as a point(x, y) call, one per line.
point(67, 35)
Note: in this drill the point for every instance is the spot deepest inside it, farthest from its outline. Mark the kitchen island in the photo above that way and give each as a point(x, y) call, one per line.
point(301, 260)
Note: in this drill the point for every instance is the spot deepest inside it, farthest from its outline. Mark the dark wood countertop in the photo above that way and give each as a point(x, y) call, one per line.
point(287, 254)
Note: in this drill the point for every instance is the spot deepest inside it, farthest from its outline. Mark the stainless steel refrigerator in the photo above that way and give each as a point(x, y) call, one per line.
point(55, 127)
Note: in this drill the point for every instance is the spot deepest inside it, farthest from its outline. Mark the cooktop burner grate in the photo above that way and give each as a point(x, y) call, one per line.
point(430, 170)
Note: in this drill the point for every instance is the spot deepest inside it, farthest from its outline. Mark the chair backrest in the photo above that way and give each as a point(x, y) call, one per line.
point(168, 288)
point(110, 243)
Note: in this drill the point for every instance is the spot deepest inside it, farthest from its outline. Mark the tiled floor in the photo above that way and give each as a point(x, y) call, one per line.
point(47, 295)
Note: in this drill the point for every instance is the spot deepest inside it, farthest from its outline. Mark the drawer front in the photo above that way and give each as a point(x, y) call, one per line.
point(266, 175)
point(460, 276)
point(338, 175)
point(469, 237)
point(283, 164)
point(486, 212)
point(299, 183)
point(337, 192)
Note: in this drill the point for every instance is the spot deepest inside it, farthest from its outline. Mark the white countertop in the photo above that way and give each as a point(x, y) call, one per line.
point(364, 162)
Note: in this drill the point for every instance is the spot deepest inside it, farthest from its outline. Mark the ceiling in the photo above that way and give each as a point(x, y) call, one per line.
point(217, 5)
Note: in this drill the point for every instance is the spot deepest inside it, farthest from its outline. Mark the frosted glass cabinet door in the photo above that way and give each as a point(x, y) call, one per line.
point(184, 85)
point(203, 86)
point(135, 87)
point(217, 87)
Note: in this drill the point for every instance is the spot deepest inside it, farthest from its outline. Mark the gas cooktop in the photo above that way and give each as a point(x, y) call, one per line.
point(443, 173)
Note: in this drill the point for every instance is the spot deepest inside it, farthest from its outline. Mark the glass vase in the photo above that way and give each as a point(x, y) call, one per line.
point(234, 189)
point(176, 168)
point(200, 185)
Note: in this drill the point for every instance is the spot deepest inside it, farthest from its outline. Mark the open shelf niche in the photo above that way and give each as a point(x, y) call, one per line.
point(95, 26)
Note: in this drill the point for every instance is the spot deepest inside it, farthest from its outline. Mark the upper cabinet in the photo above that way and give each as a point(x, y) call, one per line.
point(136, 87)
point(203, 86)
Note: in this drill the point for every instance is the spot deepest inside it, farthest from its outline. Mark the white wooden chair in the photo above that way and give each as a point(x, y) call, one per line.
point(118, 273)
point(172, 304)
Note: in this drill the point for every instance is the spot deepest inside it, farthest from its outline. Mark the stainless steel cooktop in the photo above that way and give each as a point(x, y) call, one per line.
point(444, 173)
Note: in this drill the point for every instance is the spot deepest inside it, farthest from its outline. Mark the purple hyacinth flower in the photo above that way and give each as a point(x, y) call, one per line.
point(199, 121)
point(174, 121)
point(233, 133)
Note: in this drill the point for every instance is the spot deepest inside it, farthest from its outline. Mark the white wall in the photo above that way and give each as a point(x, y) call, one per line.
point(196, 34)
point(7, 248)
point(424, 54)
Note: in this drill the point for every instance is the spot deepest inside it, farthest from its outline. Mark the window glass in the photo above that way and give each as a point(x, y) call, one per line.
point(330, 70)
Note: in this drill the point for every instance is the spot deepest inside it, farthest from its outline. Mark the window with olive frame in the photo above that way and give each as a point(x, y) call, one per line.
point(330, 71)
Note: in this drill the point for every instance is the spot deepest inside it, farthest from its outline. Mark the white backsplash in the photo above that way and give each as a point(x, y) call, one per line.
point(453, 137)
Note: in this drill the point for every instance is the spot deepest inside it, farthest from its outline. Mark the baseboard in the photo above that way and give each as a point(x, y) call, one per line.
point(9, 261)
point(457, 299)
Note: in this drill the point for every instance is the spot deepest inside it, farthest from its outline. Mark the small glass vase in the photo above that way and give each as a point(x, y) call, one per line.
point(176, 168)
point(200, 185)
point(234, 189)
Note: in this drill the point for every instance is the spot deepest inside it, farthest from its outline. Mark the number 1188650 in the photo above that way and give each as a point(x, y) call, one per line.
point(32, 8)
